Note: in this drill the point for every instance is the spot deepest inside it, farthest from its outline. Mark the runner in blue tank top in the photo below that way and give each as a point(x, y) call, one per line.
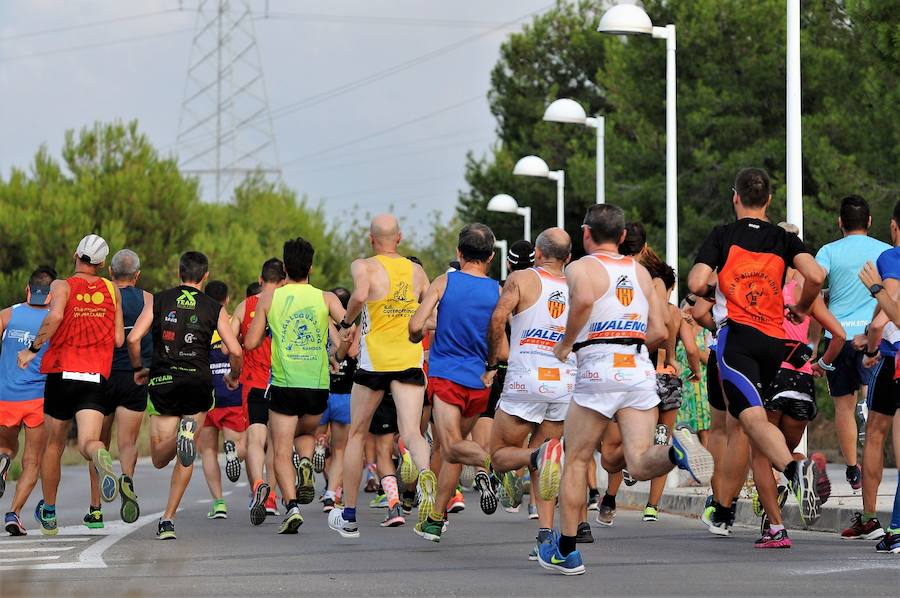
point(127, 400)
point(464, 301)
point(22, 392)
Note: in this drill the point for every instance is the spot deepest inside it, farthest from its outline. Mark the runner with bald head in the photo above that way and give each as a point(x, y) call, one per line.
point(387, 290)
point(537, 387)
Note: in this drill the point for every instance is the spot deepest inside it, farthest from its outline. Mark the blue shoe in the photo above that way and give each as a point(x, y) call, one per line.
point(889, 544)
point(691, 456)
point(550, 558)
point(48, 522)
point(13, 526)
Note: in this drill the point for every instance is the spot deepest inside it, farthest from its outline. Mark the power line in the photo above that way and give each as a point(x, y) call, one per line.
point(374, 148)
point(384, 131)
point(376, 20)
point(103, 44)
point(87, 25)
point(395, 185)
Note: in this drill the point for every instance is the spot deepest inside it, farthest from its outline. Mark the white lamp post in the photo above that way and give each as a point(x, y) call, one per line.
point(534, 166)
point(565, 110)
point(503, 246)
point(629, 19)
point(508, 204)
point(794, 159)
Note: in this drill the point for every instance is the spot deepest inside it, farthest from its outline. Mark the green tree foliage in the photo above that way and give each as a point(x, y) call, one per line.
point(112, 181)
point(731, 113)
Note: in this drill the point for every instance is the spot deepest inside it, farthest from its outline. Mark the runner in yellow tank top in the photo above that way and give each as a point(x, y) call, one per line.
point(387, 290)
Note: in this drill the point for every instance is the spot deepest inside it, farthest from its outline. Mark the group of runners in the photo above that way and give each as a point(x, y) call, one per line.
point(412, 387)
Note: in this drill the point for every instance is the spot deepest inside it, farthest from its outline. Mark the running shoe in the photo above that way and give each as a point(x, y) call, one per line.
point(593, 502)
point(394, 517)
point(371, 486)
point(773, 539)
point(93, 519)
point(47, 521)
point(318, 460)
point(295, 459)
point(219, 510)
point(511, 489)
point(719, 520)
point(430, 529)
point(260, 497)
point(272, 504)
point(165, 529)
point(583, 535)
point(863, 530)
point(306, 482)
point(186, 447)
point(467, 477)
point(758, 509)
point(533, 512)
point(379, 502)
point(232, 463)
point(109, 485)
point(327, 504)
point(5, 462)
point(823, 484)
point(605, 515)
point(347, 529)
point(130, 510)
point(628, 478)
point(781, 496)
point(485, 486)
point(650, 513)
point(550, 558)
point(14, 526)
point(803, 487)
point(691, 456)
point(426, 491)
point(408, 472)
point(708, 510)
point(549, 468)
point(457, 503)
point(407, 502)
point(890, 544)
point(292, 521)
point(508, 509)
point(854, 477)
point(543, 535)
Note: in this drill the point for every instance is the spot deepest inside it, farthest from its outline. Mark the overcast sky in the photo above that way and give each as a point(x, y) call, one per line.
point(136, 68)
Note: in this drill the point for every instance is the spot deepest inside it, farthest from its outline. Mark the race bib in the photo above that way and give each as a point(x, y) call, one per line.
point(81, 377)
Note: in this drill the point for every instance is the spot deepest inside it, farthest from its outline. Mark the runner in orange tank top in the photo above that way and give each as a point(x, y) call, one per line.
point(85, 324)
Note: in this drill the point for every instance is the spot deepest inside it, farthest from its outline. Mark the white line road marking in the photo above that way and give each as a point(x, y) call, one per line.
point(92, 556)
point(37, 549)
point(31, 558)
point(46, 539)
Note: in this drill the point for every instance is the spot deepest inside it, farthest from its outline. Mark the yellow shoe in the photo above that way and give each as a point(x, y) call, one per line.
point(427, 493)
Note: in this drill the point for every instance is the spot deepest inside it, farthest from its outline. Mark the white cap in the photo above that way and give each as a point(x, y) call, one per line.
point(92, 249)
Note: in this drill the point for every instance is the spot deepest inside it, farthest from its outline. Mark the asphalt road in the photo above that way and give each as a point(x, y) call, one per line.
point(479, 556)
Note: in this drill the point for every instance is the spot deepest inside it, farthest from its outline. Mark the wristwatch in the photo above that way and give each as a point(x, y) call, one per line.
point(872, 354)
point(32, 348)
point(344, 325)
point(875, 289)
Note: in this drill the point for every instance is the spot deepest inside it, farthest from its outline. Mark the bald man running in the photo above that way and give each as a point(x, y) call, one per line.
point(387, 291)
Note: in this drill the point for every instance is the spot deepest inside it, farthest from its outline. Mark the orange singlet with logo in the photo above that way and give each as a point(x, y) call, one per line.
point(85, 339)
point(257, 367)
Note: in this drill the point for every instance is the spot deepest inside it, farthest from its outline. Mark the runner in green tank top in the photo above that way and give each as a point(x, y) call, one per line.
point(297, 315)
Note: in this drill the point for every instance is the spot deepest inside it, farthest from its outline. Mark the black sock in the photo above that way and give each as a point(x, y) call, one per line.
point(593, 493)
point(790, 472)
point(672, 455)
point(720, 513)
point(566, 545)
point(609, 501)
point(534, 459)
point(293, 503)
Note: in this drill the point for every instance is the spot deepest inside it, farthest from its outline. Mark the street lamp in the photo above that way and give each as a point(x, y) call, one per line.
point(503, 246)
point(508, 205)
point(534, 166)
point(565, 110)
point(794, 158)
point(629, 19)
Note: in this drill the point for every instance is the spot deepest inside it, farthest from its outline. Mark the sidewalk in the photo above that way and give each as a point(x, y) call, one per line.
point(836, 513)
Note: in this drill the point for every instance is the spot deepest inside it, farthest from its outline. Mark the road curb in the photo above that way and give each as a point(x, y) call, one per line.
point(833, 519)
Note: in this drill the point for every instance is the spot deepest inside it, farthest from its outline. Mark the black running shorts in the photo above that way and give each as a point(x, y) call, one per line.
point(257, 406)
point(298, 401)
point(123, 392)
point(713, 383)
point(384, 421)
point(884, 391)
point(382, 380)
point(64, 397)
point(182, 397)
point(793, 393)
point(748, 363)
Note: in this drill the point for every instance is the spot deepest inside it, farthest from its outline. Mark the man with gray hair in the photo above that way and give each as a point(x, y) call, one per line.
point(537, 387)
point(127, 401)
